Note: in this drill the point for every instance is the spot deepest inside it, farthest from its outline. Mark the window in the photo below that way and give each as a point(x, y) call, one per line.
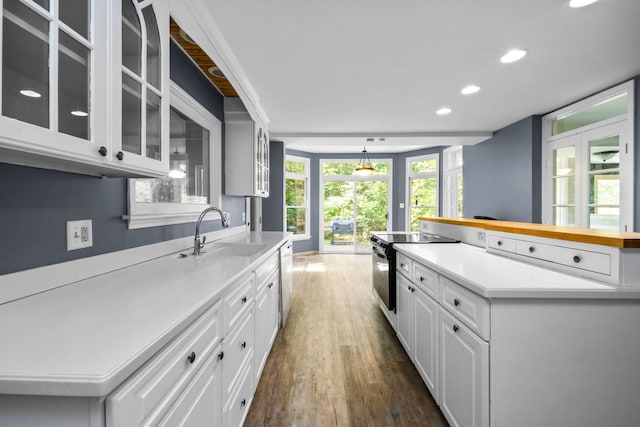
point(296, 184)
point(588, 162)
point(452, 177)
point(194, 179)
point(422, 189)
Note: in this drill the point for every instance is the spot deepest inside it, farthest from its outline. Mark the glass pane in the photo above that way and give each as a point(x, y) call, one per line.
point(25, 64)
point(75, 13)
point(131, 115)
point(296, 220)
point(153, 125)
point(338, 221)
point(417, 213)
point(424, 191)
point(43, 3)
point(153, 47)
point(460, 195)
point(604, 189)
point(612, 107)
point(371, 209)
point(131, 38)
point(294, 167)
point(564, 190)
point(295, 189)
point(604, 218)
point(564, 160)
point(188, 178)
point(564, 215)
point(604, 153)
point(73, 88)
point(421, 166)
point(347, 168)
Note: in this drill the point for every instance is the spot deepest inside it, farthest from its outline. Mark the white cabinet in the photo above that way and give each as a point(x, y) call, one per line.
point(266, 319)
point(86, 89)
point(464, 374)
point(404, 313)
point(246, 152)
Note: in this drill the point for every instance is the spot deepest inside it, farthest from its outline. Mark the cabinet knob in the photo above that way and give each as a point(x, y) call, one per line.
point(103, 151)
point(577, 259)
point(401, 265)
point(192, 357)
point(243, 403)
point(243, 345)
point(532, 249)
point(221, 355)
point(499, 242)
point(244, 300)
point(456, 302)
point(455, 328)
point(421, 279)
point(271, 285)
point(120, 155)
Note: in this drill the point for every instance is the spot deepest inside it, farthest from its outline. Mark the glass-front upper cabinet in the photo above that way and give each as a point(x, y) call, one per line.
point(57, 108)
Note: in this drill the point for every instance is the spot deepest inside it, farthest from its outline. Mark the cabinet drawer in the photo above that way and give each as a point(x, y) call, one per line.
point(238, 405)
point(471, 309)
point(501, 243)
point(147, 395)
point(265, 270)
point(237, 346)
point(535, 250)
point(585, 260)
point(426, 279)
point(404, 264)
point(237, 301)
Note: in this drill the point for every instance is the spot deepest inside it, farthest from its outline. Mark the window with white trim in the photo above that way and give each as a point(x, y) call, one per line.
point(588, 168)
point(194, 179)
point(296, 200)
point(422, 189)
point(452, 185)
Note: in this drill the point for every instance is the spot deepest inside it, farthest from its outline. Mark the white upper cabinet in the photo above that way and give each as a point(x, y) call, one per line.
point(85, 85)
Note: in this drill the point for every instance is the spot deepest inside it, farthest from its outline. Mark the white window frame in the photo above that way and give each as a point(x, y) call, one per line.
point(433, 174)
point(450, 171)
point(307, 200)
point(623, 124)
point(143, 215)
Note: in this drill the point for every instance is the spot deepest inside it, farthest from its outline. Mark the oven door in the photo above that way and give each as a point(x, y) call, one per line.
point(384, 279)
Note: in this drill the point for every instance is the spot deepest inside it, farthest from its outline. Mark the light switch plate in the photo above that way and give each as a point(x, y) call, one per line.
point(79, 234)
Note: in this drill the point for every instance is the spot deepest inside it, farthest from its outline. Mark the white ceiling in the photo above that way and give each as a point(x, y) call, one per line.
point(332, 73)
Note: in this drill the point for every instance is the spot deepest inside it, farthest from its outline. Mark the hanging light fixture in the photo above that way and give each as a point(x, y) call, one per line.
point(364, 167)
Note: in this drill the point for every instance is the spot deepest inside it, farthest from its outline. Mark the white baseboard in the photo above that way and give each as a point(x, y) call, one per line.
point(21, 284)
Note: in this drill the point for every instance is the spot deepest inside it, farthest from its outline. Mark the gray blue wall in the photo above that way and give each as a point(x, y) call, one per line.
point(502, 174)
point(36, 203)
point(636, 201)
point(273, 206)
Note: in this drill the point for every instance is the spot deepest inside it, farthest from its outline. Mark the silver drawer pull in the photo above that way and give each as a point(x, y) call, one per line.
point(455, 328)
point(456, 302)
point(243, 345)
point(192, 357)
point(244, 300)
point(577, 259)
point(421, 279)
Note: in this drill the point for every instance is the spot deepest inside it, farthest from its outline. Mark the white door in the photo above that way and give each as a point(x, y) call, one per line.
point(464, 374)
point(426, 340)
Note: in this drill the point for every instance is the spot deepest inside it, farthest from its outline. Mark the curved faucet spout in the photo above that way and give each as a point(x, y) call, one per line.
point(199, 244)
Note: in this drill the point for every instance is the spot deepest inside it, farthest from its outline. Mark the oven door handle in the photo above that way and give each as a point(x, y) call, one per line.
point(375, 251)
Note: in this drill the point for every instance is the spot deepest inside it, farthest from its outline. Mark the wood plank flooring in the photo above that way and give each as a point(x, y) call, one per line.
point(338, 362)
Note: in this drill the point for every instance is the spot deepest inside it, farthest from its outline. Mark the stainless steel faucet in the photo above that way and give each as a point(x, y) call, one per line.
point(199, 244)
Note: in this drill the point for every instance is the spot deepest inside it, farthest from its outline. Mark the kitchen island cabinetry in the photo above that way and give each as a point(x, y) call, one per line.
point(267, 298)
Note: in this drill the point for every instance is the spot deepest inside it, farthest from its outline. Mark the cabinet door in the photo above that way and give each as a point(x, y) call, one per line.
point(200, 405)
point(404, 312)
point(426, 340)
point(464, 374)
point(261, 330)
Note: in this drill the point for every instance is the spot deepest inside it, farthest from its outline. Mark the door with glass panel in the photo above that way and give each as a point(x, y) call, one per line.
point(422, 189)
point(353, 206)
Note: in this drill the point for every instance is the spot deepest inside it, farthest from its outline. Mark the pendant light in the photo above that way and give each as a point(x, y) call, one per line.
point(364, 167)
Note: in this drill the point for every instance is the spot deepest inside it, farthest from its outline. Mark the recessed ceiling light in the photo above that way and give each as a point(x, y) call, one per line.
point(581, 3)
point(468, 90)
point(513, 56)
point(443, 111)
point(30, 93)
point(186, 37)
point(79, 113)
point(216, 72)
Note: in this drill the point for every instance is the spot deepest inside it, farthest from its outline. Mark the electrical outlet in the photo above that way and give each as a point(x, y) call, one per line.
point(79, 234)
point(243, 217)
point(481, 236)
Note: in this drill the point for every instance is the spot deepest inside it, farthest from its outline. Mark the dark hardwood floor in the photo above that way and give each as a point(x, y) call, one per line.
point(338, 362)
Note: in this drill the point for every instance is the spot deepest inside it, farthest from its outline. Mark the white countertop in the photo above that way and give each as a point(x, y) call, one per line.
point(494, 276)
point(86, 338)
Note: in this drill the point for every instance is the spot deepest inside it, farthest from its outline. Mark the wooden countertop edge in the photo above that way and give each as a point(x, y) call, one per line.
point(582, 235)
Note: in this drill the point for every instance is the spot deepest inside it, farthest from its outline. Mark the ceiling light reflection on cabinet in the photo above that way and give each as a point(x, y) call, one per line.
point(468, 90)
point(513, 56)
point(79, 113)
point(30, 93)
point(581, 3)
point(443, 111)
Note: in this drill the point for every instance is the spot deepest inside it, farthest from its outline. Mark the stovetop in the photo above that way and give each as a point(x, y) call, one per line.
point(390, 238)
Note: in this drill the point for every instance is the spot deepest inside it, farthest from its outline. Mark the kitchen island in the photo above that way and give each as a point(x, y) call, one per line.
point(501, 341)
point(65, 351)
